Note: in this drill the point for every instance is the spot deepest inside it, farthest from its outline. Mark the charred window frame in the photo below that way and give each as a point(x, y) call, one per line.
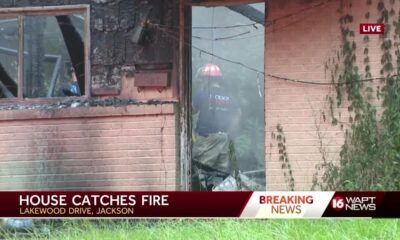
point(18, 86)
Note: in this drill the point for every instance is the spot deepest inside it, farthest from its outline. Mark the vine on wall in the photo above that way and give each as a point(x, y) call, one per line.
point(370, 156)
point(286, 166)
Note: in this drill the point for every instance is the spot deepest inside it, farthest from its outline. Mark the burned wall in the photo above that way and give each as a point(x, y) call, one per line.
point(112, 26)
point(118, 143)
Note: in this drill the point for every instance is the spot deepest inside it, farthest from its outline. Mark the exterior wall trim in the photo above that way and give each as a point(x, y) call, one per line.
point(221, 2)
point(44, 10)
point(87, 112)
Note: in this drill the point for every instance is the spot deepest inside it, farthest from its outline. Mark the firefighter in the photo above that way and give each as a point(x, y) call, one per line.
point(218, 116)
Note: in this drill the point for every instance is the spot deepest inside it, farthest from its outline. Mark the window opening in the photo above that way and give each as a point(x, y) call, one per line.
point(53, 60)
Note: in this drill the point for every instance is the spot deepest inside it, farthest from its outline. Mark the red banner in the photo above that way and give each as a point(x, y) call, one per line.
point(122, 204)
point(199, 204)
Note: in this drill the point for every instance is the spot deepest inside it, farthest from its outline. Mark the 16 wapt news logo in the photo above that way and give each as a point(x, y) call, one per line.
point(353, 203)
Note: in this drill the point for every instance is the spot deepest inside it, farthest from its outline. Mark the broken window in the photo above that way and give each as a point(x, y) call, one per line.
point(42, 53)
point(228, 97)
point(8, 57)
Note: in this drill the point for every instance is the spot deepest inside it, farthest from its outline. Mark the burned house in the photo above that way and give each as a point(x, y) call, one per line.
point(99, 94)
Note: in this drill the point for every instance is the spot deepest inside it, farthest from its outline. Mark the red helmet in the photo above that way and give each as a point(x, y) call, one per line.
point(210, 70)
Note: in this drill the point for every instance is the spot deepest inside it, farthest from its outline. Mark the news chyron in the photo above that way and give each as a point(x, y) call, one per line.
point(200, 204)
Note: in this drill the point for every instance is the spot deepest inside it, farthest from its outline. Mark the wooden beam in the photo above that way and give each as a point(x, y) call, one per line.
point(87, 44)
point(5, 91)
point(249, 12)
point(8, 81)
point(101, 92)
point(239, 6)
point(21, 53)
point(213, 3)
point(76, 48)
point(44, 11)
point(265, 88)
point(142, 109)
point(184, 100)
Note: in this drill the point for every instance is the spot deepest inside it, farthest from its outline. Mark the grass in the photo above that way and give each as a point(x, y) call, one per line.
point(216, 229)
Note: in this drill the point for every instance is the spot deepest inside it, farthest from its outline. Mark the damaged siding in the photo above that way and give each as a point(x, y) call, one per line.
point(111, 27)
point(118, 144)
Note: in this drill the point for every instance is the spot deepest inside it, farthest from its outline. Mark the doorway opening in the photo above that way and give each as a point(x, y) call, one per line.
point(227, 97)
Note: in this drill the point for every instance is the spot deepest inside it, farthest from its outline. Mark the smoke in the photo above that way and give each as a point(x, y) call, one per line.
point(228, 34)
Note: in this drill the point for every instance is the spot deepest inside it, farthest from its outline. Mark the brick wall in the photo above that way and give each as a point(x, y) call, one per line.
point(136, 149)
point(133, 150)
point(298, 47)
point(130, 147)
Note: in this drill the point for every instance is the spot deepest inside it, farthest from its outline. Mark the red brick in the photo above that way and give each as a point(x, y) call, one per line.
point(93, 152)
